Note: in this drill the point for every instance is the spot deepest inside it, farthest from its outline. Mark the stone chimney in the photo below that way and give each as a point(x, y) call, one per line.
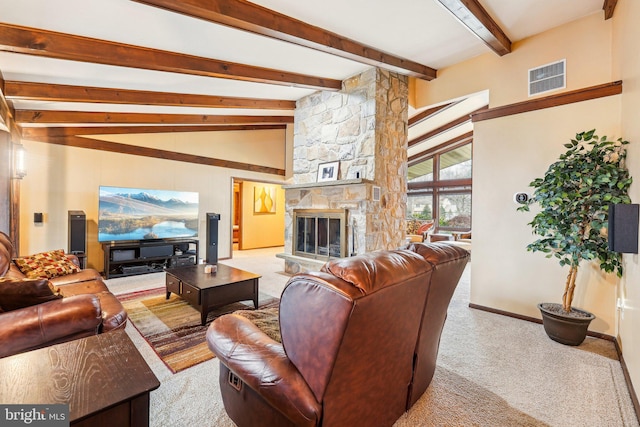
point(364, 128)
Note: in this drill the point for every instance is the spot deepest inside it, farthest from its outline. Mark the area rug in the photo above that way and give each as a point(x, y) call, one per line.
point(172, 327)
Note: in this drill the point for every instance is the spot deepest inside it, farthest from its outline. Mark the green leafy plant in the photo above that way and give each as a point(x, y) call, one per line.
point(574, 196)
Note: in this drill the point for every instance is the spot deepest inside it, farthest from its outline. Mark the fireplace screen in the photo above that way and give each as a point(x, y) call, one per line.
point(320, 234)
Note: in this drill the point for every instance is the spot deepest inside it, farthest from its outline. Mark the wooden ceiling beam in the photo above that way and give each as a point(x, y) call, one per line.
point(51, 116)
point(256, 19)
point(66, 93)
point(564, 98)
point(418, 118)
point(609, 7)
point(7, 114)
point(49, 44)
point(447, 126)
point(43, 132)
point(115, 147)
point(475, 18)
point(459, 141)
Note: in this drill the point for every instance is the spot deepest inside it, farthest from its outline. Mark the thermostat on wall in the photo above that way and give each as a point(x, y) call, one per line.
point(521, 198)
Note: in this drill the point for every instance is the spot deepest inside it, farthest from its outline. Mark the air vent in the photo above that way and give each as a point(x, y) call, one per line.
point(376, 194)
point(547, 78)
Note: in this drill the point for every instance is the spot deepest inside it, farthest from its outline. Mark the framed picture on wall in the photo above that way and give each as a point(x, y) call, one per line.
point(264, 199)
point(328, 171)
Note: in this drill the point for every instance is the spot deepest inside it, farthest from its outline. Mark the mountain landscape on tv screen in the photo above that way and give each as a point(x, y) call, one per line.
point(143, 214)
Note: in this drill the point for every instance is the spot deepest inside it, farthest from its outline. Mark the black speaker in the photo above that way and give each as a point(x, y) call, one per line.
point(623, 228)
point(212, 238)
point(77, 232)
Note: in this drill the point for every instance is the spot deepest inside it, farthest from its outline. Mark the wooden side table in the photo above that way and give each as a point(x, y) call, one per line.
point(103, 378)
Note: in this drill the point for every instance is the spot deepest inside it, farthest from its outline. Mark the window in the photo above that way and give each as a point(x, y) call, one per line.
point(455, 210)
point(420, 205)
point(439, 186)
point(456, 164)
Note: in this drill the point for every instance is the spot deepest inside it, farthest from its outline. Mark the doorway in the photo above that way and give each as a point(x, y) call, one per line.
point(236, 223)
point(257, 212)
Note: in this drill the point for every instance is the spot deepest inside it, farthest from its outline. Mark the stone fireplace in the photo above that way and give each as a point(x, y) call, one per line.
point(364, 128)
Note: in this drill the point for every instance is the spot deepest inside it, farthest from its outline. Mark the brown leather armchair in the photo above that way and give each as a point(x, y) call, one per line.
point(448, 265)
point(357, 345)
point(78, 305)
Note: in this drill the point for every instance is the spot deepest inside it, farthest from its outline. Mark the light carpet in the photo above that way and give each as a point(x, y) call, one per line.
point(492, 370)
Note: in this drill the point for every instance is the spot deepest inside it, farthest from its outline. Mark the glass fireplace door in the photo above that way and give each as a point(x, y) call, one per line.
point(320, 234)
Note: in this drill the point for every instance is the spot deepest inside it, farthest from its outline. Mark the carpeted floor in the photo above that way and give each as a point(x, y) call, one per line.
point(492, 370)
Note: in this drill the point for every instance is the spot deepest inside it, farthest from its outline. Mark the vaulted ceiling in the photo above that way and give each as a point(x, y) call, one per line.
point(82, 67)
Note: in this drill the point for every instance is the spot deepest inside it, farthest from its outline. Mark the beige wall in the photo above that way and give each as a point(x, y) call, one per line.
point(627, 60)
point(261, 230)
point(586, 45)
point(66, 178)
point(510, 152)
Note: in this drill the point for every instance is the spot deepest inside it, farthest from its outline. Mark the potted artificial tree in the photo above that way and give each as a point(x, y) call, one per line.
point(574, 196)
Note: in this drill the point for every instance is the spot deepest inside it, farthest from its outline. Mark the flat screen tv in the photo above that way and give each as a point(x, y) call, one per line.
point(143, 214)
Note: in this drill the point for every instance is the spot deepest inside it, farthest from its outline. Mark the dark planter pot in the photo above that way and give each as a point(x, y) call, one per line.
point(565, 329)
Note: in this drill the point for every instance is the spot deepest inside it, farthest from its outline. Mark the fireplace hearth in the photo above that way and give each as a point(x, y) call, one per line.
point(320, 233)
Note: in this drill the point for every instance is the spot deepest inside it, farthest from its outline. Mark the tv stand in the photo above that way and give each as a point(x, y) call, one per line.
point(147, 256)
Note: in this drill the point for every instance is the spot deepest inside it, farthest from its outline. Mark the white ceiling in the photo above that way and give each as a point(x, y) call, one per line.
point(420, 30)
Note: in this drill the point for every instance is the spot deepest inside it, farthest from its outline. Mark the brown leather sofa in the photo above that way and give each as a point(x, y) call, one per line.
point(82, 307)
point(359, 341)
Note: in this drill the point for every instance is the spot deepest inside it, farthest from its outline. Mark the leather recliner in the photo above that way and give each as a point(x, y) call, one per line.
point(359, 341)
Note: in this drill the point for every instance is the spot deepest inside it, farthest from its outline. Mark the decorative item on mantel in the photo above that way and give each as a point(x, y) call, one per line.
point(328, 171)
point(574, 197)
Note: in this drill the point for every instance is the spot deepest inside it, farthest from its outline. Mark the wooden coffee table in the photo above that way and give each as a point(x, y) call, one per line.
point(103, 379)
point(206, 291)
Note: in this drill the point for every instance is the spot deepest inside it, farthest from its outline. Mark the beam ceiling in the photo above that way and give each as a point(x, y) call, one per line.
point(45, 116)
point(73, 44)
point(42, 132)
point(7, 114)
point(66, 93)
point(475, 17)
point(116, 147)
point(259, 20)
point(609, 6)
point(446, 127)
point(429, 112)
point(50, 44)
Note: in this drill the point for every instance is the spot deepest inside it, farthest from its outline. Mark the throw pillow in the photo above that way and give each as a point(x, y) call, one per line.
point(18, 293)
point(33, 262)
point(46, 265)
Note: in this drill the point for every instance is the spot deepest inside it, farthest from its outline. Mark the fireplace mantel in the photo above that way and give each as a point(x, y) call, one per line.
point(355, 197)
point(327, 184)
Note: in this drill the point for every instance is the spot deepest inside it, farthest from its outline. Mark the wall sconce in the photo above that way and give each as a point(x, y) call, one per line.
point(19, 161)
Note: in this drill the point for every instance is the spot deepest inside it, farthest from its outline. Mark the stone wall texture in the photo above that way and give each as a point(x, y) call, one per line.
point(364, 127)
